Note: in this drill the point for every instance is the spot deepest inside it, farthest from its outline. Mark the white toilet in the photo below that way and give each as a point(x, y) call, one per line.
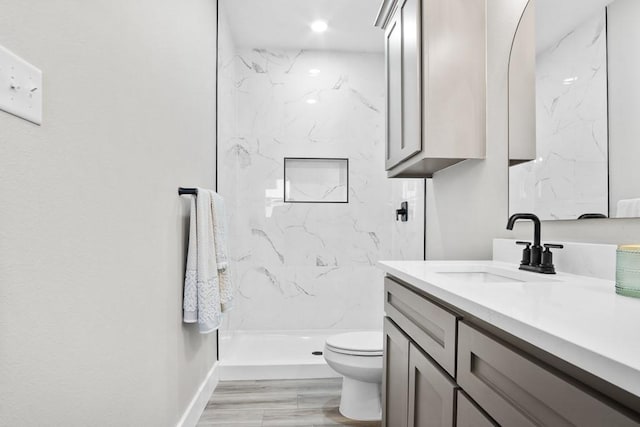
point(358, 357)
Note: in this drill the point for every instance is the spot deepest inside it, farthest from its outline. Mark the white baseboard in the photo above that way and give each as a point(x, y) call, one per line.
point(199, 402)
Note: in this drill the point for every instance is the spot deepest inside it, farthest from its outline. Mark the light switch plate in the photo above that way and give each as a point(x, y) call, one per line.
point(20, 87)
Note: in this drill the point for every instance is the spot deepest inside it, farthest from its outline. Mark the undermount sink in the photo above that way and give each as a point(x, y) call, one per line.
point(487, 274)
point(479, 276)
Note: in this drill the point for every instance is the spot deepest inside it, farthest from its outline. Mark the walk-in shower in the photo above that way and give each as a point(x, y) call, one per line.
point(305, 238)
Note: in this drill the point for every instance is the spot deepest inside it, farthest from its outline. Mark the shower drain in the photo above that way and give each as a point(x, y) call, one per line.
point(316, 353)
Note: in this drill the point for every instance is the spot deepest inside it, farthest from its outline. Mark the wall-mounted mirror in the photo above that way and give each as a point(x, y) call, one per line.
point(579, 129)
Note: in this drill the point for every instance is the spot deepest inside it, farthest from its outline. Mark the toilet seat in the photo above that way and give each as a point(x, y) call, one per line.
point(368, 343)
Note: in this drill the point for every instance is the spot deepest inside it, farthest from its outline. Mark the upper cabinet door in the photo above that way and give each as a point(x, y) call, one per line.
point(403, 62)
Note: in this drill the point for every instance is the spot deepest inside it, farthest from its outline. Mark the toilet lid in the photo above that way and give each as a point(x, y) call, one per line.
point(360, 343)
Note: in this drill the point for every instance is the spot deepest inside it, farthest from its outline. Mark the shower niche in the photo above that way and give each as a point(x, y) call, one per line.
point(316, 180)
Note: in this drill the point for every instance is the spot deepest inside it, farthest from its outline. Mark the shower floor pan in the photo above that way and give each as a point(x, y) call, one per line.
point(263, 355)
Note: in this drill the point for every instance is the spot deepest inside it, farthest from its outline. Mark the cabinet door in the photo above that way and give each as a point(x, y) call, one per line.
point(468, 415)
point(431, 392)
point(393, 55)
point(395, 378)
point(402, 45)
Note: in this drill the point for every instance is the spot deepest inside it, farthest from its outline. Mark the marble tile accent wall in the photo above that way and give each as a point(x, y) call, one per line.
point(309, 266)
point(569, 176)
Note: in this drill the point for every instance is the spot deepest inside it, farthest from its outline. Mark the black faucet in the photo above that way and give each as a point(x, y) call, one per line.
point(533, 257)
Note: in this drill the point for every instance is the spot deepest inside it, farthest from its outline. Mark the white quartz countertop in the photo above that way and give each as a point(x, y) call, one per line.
point(578, 319)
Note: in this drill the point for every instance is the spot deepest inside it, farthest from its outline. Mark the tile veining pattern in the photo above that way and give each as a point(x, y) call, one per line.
point(306, 266)
point(277, 403)
point(569, 176)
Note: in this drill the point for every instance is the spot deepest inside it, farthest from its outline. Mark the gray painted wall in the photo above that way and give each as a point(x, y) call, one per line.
point(92, 232)
point(467, 204)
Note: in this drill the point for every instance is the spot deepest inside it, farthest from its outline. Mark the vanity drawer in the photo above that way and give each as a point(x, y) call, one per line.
point(430, 326)
point(516, 391)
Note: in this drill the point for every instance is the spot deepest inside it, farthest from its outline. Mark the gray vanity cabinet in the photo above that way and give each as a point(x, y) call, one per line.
point(442, 369)
point(432, 393)
point(395, 376)
point(436, 84)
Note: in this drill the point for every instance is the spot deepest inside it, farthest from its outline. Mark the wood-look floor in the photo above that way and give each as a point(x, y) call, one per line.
point(301, 403)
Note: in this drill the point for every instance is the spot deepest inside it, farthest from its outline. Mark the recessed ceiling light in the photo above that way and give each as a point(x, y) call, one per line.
point(319, 26)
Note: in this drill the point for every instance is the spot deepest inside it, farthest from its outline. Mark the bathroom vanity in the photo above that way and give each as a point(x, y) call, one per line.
point(481, 343)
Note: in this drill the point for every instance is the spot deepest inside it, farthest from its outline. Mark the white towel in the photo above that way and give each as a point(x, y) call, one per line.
point(222, 251)
point(203, 305)
point(628, 208)
point(190, 299)
point(208, 289)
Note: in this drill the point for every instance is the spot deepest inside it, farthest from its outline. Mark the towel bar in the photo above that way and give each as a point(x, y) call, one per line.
point(182, 190)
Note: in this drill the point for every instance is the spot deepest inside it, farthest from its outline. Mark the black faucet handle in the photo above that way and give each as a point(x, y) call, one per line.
point(553, 246)
point(526, 252)
point(547, 258)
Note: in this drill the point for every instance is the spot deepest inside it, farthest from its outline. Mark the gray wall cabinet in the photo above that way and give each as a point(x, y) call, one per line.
point(443, 368)
point(436, 84)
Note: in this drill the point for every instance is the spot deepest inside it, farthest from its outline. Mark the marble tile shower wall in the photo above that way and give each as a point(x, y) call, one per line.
point(569, 176)
point(308, 265)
